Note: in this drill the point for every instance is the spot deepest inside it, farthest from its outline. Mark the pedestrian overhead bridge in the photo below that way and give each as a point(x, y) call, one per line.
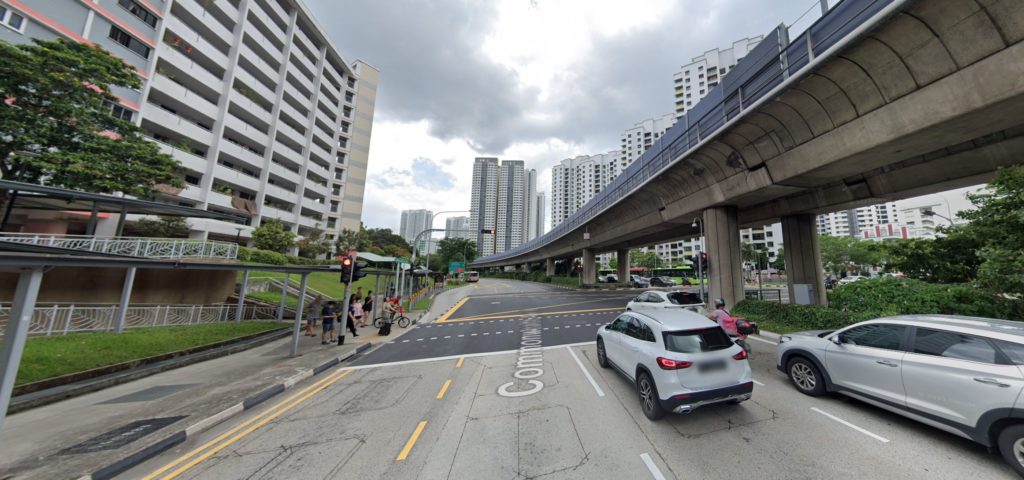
point(878, 100)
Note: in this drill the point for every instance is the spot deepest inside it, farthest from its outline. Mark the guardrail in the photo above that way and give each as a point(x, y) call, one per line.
point(130, 246)
point(774, 62)
point(64, 319)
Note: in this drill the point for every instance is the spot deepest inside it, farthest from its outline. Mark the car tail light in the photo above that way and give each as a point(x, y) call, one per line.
point(741, 356)
point(669, 364)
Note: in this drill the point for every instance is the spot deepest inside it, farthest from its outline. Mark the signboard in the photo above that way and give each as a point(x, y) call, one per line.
point(456, 267)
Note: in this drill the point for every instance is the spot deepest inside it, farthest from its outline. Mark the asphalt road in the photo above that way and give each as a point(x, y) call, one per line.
point(437, 407)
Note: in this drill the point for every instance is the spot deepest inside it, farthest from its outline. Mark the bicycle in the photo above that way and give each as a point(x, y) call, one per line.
point(402, 320)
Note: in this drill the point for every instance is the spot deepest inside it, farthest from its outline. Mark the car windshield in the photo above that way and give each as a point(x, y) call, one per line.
point(684, 298)
point(696, 341)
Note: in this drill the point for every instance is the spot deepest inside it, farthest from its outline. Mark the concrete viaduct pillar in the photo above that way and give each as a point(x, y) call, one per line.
point(725, 266)
point(589, 267)
point(622, 265)
point(527, 267)
point(549, 267)
point(804, 276)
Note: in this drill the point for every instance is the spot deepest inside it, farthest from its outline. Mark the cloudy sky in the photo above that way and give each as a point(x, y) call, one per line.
point(538, 80)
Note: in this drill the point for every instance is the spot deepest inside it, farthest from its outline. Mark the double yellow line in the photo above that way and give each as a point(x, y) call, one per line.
point(224, 440)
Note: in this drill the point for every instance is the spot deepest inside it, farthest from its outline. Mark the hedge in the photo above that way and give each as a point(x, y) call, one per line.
point(252, 255)
point(908, 296)
point(784, 318)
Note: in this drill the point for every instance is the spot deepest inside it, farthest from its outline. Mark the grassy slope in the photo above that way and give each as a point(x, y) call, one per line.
point(47, 357)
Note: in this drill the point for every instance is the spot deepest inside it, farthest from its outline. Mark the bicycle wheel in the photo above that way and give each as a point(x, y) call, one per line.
point(403, 321)
point(378, 322)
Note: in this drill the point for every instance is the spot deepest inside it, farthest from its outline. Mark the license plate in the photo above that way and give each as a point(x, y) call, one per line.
point(714, 366)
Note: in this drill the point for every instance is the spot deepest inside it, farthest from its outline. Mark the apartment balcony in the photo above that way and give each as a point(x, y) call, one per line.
point(258, 60)
point(281, 194)
point(275, 9)
point(323, 117)
point(188, 160)
point(255, 85)
point(246, 130)
point(192, 192)
point(237, 178)
point(319, 151)
point(199, 75)
point(220, 200)
point(196, 10)
point(181, 93)
point(267, 211)
point(296, 94)
point(242, 154)
point(289, 153)
point(315, 205)
point(183, 126)
point(285, 173)
point(291, 133)
point(227, 9)
point(199, 44)
point(270, 47)
point(260, 116)
point(294, 113)
point(261, 16)
point(313, 186)
point(308, 69)
point(298, 76)
point(305, 40)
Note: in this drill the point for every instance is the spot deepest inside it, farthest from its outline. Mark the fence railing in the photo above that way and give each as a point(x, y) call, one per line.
point(64, 319)
point(130, 246)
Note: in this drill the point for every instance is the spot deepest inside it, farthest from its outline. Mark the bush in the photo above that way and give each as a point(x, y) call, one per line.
point(908, 296)
point(268, 257)
point(243, 254)
point(784, 318)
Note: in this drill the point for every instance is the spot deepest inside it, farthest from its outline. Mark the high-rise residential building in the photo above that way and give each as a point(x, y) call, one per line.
point(413, 223)
point(575, 181)
point(529, 205)
point(458, 227)
point(705, 72)
point(638, 138)
point(510, 206)
point(851, 222)
point(483, 207)
point(537, 221)
point(266, 116)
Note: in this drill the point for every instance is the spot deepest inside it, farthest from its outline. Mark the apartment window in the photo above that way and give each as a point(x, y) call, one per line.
point(129, 41)
point(12, 20)
point(138, 11)
point(191, 179)
point(121, 112)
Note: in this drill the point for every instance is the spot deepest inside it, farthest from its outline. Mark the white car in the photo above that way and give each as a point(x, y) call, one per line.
point(660, 300)
point(678, 359)
point(850, 279)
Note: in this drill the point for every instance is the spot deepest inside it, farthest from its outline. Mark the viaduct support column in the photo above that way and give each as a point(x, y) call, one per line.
point(549, 267)
point(804, 276)
point(725, 266)
point(589, 267)
point(622, 265)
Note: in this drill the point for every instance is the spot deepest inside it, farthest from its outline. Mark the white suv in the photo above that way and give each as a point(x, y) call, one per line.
point(679, 360)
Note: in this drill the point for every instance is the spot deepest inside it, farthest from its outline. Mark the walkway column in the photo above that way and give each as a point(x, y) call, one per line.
point(589, 267)
point(549, 267)
point(725, 266)
point(622, 265)
point(16, 333)
point(804, 276)
point(240, 311)
point(297, 326)
point(126, 295)
point(527, 267)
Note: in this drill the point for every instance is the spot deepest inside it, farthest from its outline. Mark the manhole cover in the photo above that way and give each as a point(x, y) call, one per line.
point(120, 436)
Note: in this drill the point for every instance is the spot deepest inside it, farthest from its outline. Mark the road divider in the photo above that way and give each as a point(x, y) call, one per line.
point(848, 424)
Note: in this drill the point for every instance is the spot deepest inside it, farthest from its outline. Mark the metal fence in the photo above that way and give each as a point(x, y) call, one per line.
point(768, 294)
point(130, 246)
point(64, 319)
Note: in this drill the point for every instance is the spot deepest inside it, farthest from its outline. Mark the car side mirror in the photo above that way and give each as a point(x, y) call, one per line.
point(837, 339)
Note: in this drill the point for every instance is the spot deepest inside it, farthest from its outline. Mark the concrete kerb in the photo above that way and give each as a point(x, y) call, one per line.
point(156, 448)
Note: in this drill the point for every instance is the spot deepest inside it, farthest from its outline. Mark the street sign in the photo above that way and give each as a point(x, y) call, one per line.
point(456, 267)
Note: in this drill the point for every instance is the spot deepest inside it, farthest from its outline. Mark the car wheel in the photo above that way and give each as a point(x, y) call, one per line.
point(805, 377)
point(602, 356)
point(649, 401)
point(1011, 445)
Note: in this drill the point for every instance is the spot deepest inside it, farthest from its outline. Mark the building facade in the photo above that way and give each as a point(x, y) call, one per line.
point(510, 205)
point(537, 221)
point(702, 74)
point(574, 181)
point(637, 139)
point(414, 222)
point(483, 206)
point(264, 114)
point(458, 227)
point(502, 201)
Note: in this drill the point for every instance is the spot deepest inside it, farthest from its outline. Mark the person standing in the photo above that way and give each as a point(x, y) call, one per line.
point(368, 308)
point(357, 310)
point(327, 317)
point(350, 321)
point(312, 314)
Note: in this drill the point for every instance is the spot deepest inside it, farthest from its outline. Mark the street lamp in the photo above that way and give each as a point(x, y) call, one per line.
point(238, 234)
point(931, 213)
point(700, 263)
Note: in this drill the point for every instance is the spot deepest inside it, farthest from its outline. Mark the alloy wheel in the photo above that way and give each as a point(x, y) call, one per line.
point(646, 395)
point(1018, 450)
point(803, 376)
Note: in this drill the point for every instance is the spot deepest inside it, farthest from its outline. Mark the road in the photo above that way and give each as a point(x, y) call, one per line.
point(446, 404)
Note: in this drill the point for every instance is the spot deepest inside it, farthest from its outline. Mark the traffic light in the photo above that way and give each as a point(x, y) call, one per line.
point(346, 269)
point(357, 270)
point(704, 260)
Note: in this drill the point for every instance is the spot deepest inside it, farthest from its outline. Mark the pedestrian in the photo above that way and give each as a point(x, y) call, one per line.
point(327, 317)
point(350, 321)
point(357, 310)
point(359, 293)
point(368, 307)
point(311, 315)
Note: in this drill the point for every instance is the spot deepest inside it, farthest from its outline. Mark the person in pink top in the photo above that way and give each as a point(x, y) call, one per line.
point(357, 310)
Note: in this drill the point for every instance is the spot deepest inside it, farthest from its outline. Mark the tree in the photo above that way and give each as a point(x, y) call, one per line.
point(780, 260)
point(271, 235)
point(56, 126)
point(353, 240)
point(949, 259)
point(839, 254)
point(641, 259)
point(997, 225)
point(162, 227)
point(454, 249)
point(314, 244)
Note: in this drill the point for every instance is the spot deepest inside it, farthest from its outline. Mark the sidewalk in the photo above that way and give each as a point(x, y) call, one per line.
point(86, 434)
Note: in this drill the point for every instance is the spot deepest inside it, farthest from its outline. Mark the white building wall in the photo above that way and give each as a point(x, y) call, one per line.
point(414, 222)
point(458, 227)
point(637, 139)
point(705, 72)
point(484, 203)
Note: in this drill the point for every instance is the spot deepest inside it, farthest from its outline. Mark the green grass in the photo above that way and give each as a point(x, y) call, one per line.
point(47, 357)
point(422, 303)
point(274, 298)
point(327, 283)
point(572, 282)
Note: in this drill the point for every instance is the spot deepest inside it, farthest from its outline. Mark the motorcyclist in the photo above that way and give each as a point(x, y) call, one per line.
point(719, 314)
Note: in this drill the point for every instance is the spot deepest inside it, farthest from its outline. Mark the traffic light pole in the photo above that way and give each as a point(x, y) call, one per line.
point(342, 324)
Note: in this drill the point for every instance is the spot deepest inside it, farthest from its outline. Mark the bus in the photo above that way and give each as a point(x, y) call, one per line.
point(472, 276)
point(683, 275)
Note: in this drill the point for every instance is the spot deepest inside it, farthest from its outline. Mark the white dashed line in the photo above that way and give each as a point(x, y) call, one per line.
point(556, 328)
point(447, 336)
point(498, 332)
point(758, 383)
point(487, 333)
point(433, 338)
point(461, 335)
point(510, 331)
point(405, 341)
point(848, 424)
point(652, 467)
point(419, 339)
point(545, 328)
point(472, 334)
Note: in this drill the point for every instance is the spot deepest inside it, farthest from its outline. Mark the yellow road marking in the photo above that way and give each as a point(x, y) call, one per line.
point(323, 384)
point(412, 441)
point(454, 309)
point(544, 314)
point(224, 435)
point(526, 310)
point(444, 388)
point(458, 364)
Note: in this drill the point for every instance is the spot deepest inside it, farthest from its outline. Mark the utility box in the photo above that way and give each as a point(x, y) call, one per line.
point(803, 294)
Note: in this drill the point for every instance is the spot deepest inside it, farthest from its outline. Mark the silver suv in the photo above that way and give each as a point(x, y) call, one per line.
point(963, 375)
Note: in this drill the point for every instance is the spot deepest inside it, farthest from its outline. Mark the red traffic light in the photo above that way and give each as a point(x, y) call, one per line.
point(346, 261)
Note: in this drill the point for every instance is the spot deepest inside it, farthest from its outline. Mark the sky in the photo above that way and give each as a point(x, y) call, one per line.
point(539, 81)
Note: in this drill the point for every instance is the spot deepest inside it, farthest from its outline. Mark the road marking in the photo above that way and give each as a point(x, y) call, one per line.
point(260, 420)
point(529, 311)
point(447, 336)
point(412, 441)
point(419, 339)
point(486, 333)
point(455, 357)
point(458, 305)
point(556, 328)
point(762, 340)
point(462, 335)
point(472, 334)
point(652, 467)
point(444, 388)
point(498, 332)
point(848, 424)
point(758, 383)
point(433, 338)
point(405, 341)
point(458, 364)
point(597, 389)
